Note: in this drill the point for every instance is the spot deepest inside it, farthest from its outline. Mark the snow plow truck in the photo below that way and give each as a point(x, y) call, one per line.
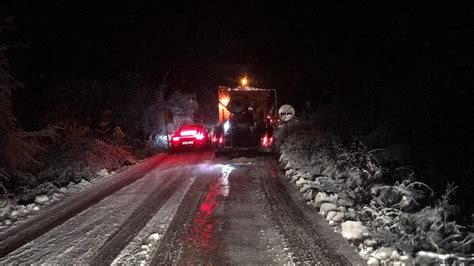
point(247, 120)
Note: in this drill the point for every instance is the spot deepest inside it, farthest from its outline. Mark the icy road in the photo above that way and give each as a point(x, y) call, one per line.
point(181, 209)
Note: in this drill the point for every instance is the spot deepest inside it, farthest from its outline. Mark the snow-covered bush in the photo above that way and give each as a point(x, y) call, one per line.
point(146, 104)
point(80, 158)
point(183, 106)
point(348, 182)
point(134, 102)
point(71, 160)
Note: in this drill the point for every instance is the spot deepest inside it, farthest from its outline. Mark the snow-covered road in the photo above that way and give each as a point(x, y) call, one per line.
point(189, 209)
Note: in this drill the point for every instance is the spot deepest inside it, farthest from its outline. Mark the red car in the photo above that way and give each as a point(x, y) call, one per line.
point(190, 137)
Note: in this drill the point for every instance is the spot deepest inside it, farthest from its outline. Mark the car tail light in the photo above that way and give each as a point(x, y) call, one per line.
point(221, 140)
point(175, 138)
point(200, 136)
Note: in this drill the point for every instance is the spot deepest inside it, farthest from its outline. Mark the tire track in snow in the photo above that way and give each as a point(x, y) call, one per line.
point(77, 238)
point(306, 243)
point(170, 248)
point(38, 225)
point(137, 220)
point(149, 207)
point(74, 238)
point(249, 235)
point(145, 243)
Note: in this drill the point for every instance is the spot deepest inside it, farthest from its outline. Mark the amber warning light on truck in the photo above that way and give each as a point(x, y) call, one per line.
point(224, 99)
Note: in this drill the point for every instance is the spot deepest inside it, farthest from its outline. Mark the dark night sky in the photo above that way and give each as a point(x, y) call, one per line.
point(97, 39)
point(303, 49)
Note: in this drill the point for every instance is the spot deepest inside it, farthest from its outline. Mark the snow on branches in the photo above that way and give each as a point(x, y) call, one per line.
point(346, 182)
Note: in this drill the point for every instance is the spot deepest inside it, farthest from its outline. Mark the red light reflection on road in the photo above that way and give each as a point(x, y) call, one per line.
point(273, 171)
point(200, 233)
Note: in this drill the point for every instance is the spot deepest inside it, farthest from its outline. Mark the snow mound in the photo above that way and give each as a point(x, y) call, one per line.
point(383, 253)
point(153, 238)
point(327, 207)
point(353, 230)
point(102, 173)
point(323, 197)
point(41, 199)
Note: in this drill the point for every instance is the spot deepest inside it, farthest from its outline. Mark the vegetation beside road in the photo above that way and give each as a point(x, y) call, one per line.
point(89, 125)
point(375, 202)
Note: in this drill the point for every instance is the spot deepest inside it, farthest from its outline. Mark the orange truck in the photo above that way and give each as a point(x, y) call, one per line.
point(247, 119)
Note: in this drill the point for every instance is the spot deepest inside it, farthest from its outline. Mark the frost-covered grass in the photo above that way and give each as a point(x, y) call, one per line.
point(405, 220)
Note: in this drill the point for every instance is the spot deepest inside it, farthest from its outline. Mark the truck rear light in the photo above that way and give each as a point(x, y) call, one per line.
point(265, 141)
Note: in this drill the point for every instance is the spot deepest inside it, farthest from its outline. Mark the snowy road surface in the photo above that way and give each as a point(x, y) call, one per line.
point(190, 208)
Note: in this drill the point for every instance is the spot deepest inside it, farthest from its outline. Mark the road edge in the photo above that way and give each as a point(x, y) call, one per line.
point(312, 214)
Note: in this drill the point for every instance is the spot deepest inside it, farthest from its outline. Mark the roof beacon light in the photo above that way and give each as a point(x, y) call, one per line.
point(244, 81)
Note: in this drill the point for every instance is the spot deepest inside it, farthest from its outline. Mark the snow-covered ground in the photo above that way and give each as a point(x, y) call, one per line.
point(11, 212)
point(183, 208)
point(140, 249)
point(397, 224)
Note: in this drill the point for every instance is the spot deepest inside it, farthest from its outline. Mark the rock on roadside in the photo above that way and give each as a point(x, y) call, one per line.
point(353, 230)
point(373, 261)
point(383, 253)
point(41, 199)
point(5, 211)
point(327, 207)
point(323, 197)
